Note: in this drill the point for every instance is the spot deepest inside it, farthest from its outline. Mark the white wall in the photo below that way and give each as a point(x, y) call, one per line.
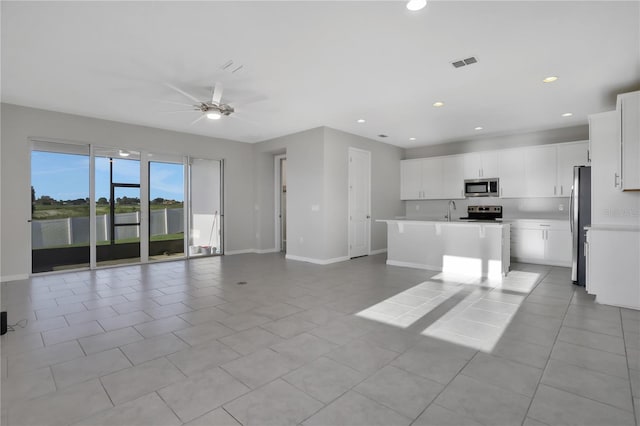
point(20, 123)
point(385, 189)
point(305, 170)
point(317, 175)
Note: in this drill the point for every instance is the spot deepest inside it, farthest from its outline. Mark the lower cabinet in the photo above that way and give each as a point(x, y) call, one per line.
point(613, 275)
point(541, 242)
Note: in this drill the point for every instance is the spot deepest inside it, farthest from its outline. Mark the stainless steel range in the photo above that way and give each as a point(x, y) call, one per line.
point(483, 214)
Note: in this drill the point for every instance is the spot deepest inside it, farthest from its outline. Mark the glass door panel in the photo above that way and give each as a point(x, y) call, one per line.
point(59, 207)
point(166, 210)
point(206, 215)
point(117, 180)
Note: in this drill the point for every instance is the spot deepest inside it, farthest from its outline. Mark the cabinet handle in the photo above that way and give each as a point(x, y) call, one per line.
point(561, 189)
point(615, 180)
point(543, 234)
point(554, 190)
point(501, 191)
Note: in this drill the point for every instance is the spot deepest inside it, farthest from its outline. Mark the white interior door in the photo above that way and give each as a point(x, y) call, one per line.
point(359, 202)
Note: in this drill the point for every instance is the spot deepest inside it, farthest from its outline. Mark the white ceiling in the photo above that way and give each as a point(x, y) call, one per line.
point(307, 64)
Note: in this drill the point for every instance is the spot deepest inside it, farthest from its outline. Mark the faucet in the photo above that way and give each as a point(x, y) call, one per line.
point(451, 202)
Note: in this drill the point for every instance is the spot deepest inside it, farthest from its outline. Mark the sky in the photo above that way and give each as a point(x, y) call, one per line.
point(66, 177)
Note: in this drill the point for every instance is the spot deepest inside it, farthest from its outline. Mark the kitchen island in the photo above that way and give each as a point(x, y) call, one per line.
point(475, 249)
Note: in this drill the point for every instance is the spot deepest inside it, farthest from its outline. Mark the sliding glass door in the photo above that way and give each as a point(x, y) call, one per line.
point(166, 210)
point(100, 206)
point(205, 219)
point(59, 207)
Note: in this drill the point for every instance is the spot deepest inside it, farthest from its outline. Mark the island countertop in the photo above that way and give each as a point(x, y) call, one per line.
point(476, 248)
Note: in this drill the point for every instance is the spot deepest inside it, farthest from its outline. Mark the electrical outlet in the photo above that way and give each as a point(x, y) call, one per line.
point(561, 207)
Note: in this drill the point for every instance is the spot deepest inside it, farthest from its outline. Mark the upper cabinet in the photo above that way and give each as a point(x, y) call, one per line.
point(539, 171)
point(628, 109)
point(569, 155)
point(481, 165)
point(511, 172)
point(432, 178)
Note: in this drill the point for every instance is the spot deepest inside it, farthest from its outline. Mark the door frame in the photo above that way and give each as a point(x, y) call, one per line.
point(350, 150)
point(277, 183)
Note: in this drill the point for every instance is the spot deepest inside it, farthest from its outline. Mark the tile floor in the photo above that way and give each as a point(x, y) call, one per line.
point(354, 343)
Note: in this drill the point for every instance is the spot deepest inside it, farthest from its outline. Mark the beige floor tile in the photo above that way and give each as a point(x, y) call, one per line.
point(109, 340)
point(62, 407)
point(89, 367)
point(126, 385)
point(206, 355)
point(277, 403)
point(193, 397)
point(553, 406)
point(324, 379)
point(356, 410)
point(148, 410)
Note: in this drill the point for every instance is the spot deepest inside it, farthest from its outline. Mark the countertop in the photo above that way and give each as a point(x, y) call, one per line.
point(443, 222)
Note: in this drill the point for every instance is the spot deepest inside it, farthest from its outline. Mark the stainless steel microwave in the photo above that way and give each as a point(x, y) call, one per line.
point(481, 187)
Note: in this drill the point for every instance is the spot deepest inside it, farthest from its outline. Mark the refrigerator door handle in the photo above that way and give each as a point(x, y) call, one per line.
point(571, 211)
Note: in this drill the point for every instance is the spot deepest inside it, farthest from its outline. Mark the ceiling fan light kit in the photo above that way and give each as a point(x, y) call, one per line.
point(415, 5)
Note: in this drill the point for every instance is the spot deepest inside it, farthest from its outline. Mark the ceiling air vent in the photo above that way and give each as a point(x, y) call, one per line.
point(382, 135)
point(462, 62)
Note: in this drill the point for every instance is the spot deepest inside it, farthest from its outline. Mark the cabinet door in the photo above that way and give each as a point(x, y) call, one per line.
point(432, 177)
point(472, 165)
point(410, 179)
point(489, 164)
point(528, 244)
point(453, 176)
point(569, 155)
point(558, 247)
point(540, 171)
point(511, 173)
point(629, 110)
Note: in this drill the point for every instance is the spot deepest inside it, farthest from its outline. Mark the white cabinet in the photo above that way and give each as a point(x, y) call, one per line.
point(411, 179)
point(481, 165)
point(548, 169)
point(511, 172)
point(540, 171)
point(612, 265)
point(541, 242)
point(453, 176)
point(432, 178)
point(568, 156)
point(628, 109)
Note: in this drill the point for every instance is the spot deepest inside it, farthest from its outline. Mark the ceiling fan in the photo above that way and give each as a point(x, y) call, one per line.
point(213, 109)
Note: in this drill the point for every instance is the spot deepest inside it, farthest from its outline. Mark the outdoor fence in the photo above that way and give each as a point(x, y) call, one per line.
point(75, 230)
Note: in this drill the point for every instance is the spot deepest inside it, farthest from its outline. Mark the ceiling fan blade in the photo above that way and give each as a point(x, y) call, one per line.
point(183, 93)
point(179, 110)
point(197, 119)
point(217, 94)
point(164, 101)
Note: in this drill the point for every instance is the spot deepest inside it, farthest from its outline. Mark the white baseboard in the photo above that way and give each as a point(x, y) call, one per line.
point(6, 278)
point(317, 261)
point(257, 251)
point(263, 251)
point(414, 265)
point(379, 251)
point(243, 251)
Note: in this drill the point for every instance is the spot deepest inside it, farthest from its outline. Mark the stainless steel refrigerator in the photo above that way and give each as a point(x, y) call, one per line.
point(580, 217)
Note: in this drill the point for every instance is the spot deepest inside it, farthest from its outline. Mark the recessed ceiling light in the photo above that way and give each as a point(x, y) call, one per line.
point(361, 120)
point(415, 5)
point(550, 79)
point(479, 128)
point(412, 139)
point(438, 104)
point(567, 114)
point(214, 115)
point(123, 153)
